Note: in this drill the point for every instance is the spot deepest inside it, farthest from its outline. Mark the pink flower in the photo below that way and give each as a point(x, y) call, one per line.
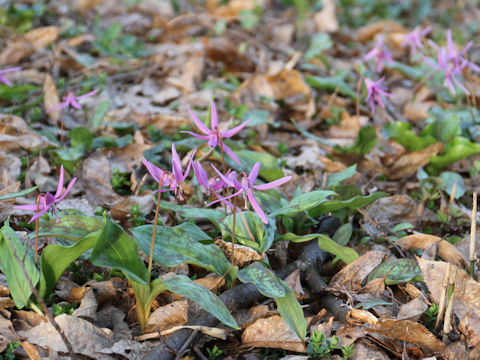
point(170, 179)
point(380, 53)
point(47, 201)
point(213, 184)
point(72, 100)
point(414, 39)
point(213, 135)
point(3, 79)
point(246, 186)
point(375, 92)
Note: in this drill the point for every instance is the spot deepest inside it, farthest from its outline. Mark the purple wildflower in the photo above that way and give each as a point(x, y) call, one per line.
point(170, 179)
point(213, 184)
point(72, 100)
point(213, 135)
point(47, 201)
point(414, 39)
point(380, 53)
point(3, 79)
point(246, 186)
point(449, 68)
point(375, 92)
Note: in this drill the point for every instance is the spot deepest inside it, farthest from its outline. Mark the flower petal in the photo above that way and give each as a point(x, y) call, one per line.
point(253, 174)
point(60, 182)
point(201, 137)
point(230, 153)
point(235, 130)
point(201, 126)
point(91, 93)
point(228, 181)
point(214, 116)
point(200, 174)
point(273, 184)
point(67, 190)
point(154, 171)
point(256, 206)
point(176, 164)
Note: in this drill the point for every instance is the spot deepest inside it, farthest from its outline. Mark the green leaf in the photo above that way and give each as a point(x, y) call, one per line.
point(414, 73)
point(56, 258)
point(450, 179)
point(303, 202)
point(265, 280)
point(401, 132)
point(459, 148)
point(269, 169)
point(331, 84)
point(343, 234)
point(115, 249)
point(336, 178)
point(354, 203)
point(18, 193)
point(182, 285)
point(255, 225)
point(81, 137)
point(291, 311)
point(365, 141)
point(397, 271)
point(446, 126)
point(70, 227)
point(17, 283)
point(320, 42)
point(98, 114)
point(215, 216)
point(289, 236)
point(346, 254)
point(402, 226)
point(181, 244)
point(370, 303)
point(309, 135)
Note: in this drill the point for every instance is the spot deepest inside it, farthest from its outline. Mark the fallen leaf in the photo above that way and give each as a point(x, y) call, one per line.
point(293, 282)
point(412, 310)
point(15, 134)
point(30, 350)
point(352, 275)
point(113, 318)
point(88, 307)
point(364, 351)
point(272, 332)
point(243, 255)
point(363, 316)
point(409, 163)
point(245, 317)
point(418, 110)
point(212, 283)
point(220, 49)
point(326, 19)
point(168, 316)
point(230, 8)
point(368, 32)
point(51, 99)
point(446, 250)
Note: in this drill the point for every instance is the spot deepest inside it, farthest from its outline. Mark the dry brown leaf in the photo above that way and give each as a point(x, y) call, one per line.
point(418, 110)
point(230, 8)
point(6, 302)
point(51, 99)
point(466, 297)
point(42, 36)
point(167, 316)
point(368, 32)
point(15, 134)
point(111, 317)
point(105, 291)
point(168, 123)
point(272, 332)
point(251, 90)
point(413, 309)
point(212, 283)
point(243, 255)
point(245, 317)
point(446, 250)
point(293, 282)
point(352, 276)
point(222, 50)
point(31, 351)
point(363, 316)
point(88, 306)
point(349, 126)
point(409, 163)
point(365, 351)
point(288, 83)
point(76, 294)
point(326, 19)
point(409, 331)
point(7, 334)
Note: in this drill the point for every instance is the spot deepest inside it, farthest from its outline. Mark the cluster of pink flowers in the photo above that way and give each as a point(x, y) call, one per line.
point(242, 183)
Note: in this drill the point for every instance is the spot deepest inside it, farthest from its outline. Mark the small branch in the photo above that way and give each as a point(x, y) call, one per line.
point(186, 345)
point(441, 305)
point(447, 324)
point(473, 230)
point(42, 303)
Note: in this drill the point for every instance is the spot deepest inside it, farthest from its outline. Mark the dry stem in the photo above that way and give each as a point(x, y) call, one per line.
point(473, 230)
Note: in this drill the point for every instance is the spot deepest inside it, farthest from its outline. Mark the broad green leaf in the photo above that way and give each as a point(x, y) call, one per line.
point(370, 303)
point(354, 203)
point(450, 179)
point(365, 141)
point(98, 115)
point(445, 127)
point(181, 244)
point(402, 226)
point(56, 258)
point(304, 202)
point(343, 234)
point(320, 42)
point(397, 271)
point(331, 84)
point(265, 280)
point(401, 132)
point(215, 216)
point(17, 283)
point(256, 228)
point(269, 169)
point(346, 254)
point(336, 178)
point(81, 137)
point(115, 249)
point(70, 227)
point(289, 236)
point(18, 193)
point(291, 311)
point(182, 285)
point(457, 149)
point(414, 73)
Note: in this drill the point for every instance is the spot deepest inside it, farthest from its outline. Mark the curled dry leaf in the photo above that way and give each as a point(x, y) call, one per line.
point(243, 255)
point(7, 334)
point(446, 250)
point(466, 297)
point(31, 351)
point(168, 316)
point(363, 316)
point(111, 317)
point(88, 306)
point(409, 331)
point(272, 332)
point(352, 276)
point(51, 99)
point(212, 283)
point(245, 317)
point(369, 31)
point(15, 134)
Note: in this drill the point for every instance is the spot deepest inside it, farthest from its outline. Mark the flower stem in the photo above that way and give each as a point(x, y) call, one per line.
point(37, 221)
point(150, 259)
point(61, 126)
point(232, 261)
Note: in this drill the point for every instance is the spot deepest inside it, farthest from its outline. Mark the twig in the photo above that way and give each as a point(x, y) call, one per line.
point(447, 324)
point(473, 230)
point(441, 304)
point(199, 353)
point(186, 345)
point(40, 300)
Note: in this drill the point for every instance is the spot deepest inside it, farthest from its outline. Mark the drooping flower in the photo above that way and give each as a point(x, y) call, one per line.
point(213, 184)
point(71, 100)
point(414, 39)
point(380, 54)
point(214, 136)
point(246, 185)
point(48, 201)
point(171, 179)
point(3, 79)
point(375, 92)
